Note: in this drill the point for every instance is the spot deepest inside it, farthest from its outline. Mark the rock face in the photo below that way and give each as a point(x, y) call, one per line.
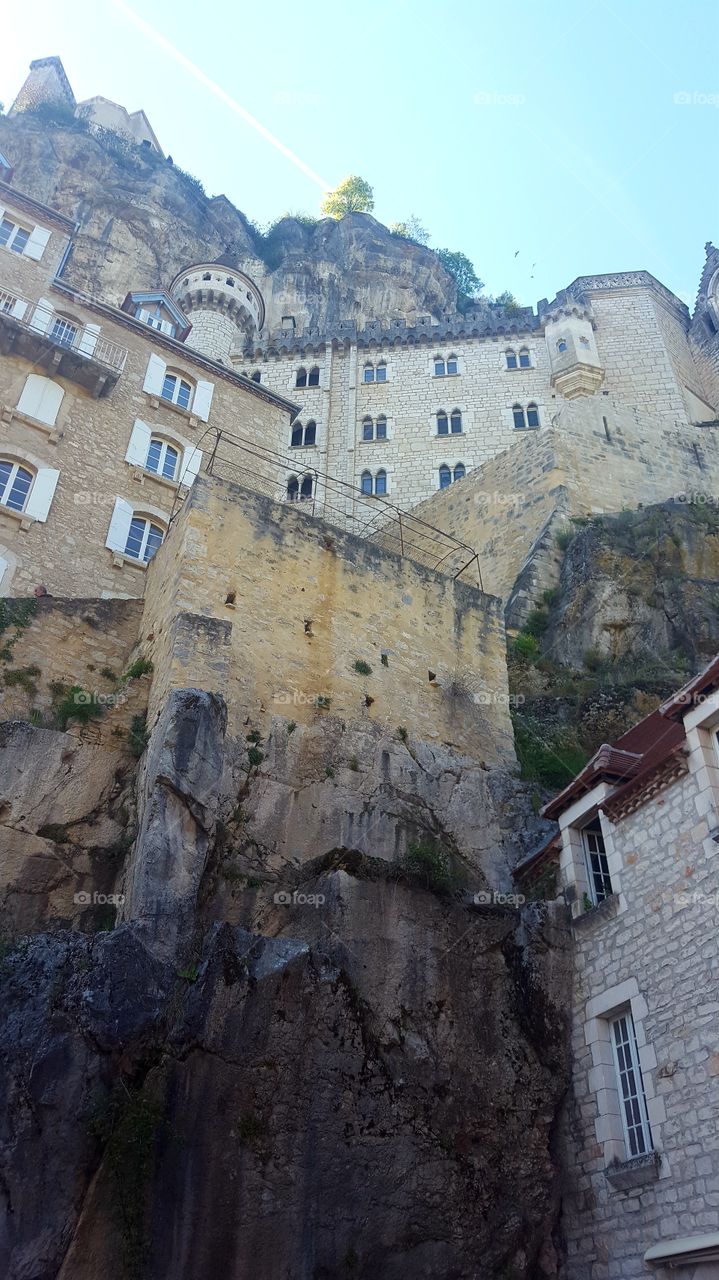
point(307, 1106)
point(142, 221)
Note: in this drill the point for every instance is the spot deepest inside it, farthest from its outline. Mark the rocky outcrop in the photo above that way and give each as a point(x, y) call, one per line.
point(371, 1092)
point(142, 220)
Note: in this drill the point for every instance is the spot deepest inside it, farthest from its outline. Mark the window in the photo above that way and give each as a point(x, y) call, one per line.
point(522, 420)
point(459, 471)
point(301, 379)
point(313, 378)
point(15, 482)
point(41, 399)
point(306, 488)
point(380, 372)
point(12, 236)
point(176, 390)
point(633, 1105)
point(445, 368)
point(304, 435)
point(456, 422)
point(583, 342)
point(519, 419)
point(562, 345)
point(524, 361)
point(64, 332)
point(293, 488)
point(442, 423)
point(256, 376)
point(299, 491)
point(162, 459)
point(445, 477)
point(600, 884)
point(368, 374)
point(532, 415)
point(376, 486)
point(143, 539)
point(155, 321)
point(372, 430)
point(511, 358)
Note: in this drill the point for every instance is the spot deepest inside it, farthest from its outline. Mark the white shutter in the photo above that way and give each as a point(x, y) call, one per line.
point(88, 339)
point(41, 494)
point(35, 246)
point(139, 444)
point(167, 327)
point(19, 307)
point(122, 514)
point(203, 399)
point(191, 463)
point(155, 376)
point(41, 399)
point(42, 316)
point(4, 564)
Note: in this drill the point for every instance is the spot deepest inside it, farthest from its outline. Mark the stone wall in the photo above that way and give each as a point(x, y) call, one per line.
point(273, 609)
point(653, 947)
point(83, 644)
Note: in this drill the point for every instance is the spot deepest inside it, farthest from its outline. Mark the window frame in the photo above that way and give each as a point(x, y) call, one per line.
point(510, 357)
point(150, 524)
point(6, 489)
point(636, 1101)
point(165, 447)
point(180, 382)
point(442, 415)
point(456, 415)
point(16, 228)
point(525, 358)
point(594, 828)
point(445, 470)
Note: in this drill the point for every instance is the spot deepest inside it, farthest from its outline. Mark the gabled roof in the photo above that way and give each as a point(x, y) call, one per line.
point(159, 296)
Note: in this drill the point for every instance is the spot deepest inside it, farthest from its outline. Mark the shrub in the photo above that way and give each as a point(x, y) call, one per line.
point(254, 757)
point(536, 623)
point(73, 703)
point(362, 668)
point(141, 667)
point(430, 866)
point(525, 648)
point(137, 735)
point(563, 538)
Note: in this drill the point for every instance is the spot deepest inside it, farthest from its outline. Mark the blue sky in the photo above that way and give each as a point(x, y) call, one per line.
point(544, 141)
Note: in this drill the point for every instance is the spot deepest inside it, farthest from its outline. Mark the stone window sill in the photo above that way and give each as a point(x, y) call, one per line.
point(9, 415)
point(625, 1175)
point(451, 435)
point(25, 522)
point(441, 376)
point(604, 910)
point(119, 561)
point(304, 446)
point(159, 402)
point(382, 440)
point(140, 474)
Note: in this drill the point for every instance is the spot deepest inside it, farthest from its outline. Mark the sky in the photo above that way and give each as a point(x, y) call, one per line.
point(545, 141)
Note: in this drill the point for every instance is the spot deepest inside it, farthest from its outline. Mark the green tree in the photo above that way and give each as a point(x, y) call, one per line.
point(509, 302)
point(354, 195)
point(459, 266)
point(411, 229)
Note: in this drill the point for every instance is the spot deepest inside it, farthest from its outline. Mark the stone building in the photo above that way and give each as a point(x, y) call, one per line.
point(636, 856)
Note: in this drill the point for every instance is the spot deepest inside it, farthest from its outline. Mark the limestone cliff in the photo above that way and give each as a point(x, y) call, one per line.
point(142, 220)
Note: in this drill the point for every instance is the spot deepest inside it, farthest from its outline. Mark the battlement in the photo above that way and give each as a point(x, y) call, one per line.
point(487, 323)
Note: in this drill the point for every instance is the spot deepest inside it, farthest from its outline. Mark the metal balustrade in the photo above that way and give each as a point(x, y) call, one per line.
point(83, 340)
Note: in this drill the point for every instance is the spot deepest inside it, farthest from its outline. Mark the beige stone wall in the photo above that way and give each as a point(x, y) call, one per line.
point(73, 642)
point(309, 603)
point(88, 444)
point(633, 350)
point(20, 273)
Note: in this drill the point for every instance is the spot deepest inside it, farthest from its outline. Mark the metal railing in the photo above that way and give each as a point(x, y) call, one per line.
point(83, 340)
point(265, 471)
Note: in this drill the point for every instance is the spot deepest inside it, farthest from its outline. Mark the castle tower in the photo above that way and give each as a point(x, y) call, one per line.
point(573, 356)
point(46, 82)
point(225, 307)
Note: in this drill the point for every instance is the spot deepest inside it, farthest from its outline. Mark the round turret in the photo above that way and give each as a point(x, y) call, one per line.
point(224, 305)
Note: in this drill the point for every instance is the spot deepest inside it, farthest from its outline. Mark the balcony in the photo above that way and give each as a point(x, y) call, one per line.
point(58, 345)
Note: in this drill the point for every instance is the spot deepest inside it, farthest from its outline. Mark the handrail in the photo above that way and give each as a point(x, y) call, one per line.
point(82, 340)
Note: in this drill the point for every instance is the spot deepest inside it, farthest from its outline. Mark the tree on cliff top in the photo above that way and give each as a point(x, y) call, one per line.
point(354, 195)
point(459, 266)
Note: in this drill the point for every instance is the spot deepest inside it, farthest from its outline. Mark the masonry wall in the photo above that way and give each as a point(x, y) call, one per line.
point(658, 940)
point(88, 443)
point(309, 602)
point(87, 644)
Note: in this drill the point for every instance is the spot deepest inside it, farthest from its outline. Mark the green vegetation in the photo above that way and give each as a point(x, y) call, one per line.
point(15, 617)
point(362, 668)
point(24, 678)
point(322, 701)
point(292, 725)
point(353, 195)
point(411, 230)
point(430, 866)
point(462, 271)
point(402, 733)
point(137, 735)
point(73, 703)
point(254, 757)
point(141, 667)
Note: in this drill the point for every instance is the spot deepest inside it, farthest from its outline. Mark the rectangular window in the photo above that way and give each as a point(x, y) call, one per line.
point(64, 332)
point(600, 884)
point(381, 373)
point(12, 236)
point(632, 1103)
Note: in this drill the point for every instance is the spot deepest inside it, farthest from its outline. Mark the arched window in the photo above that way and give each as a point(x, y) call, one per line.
point(15, 482)
point(366, 482)
point(64, 331)
point(306, 488)
point(313, 379)
point(303, 435)
point(381, 372)
point(368, 374)
point(301, 379)
point(293, 489)
point(442, 423)
point(381, 430)
point(310, 433)
point(439, 367)
point(562, 345)
point(176, 390)
point(459, 471)
point(456, 422)
point(297, 434)
point(445, 477)
point(256, 376)
point(524, 360)
point(380, 484)
point(367, 429)
point(162, 459)
point(511, 358)
point(445, 368)
point(143, 539)
point(452, 365)
point(518, 415)
point(532, 415)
